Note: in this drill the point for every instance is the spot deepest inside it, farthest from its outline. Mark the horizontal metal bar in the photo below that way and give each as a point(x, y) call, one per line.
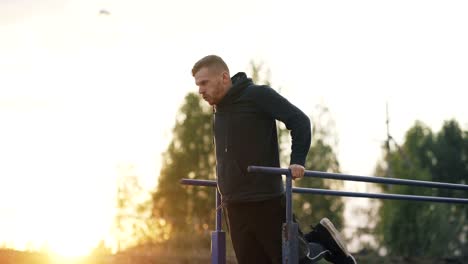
point(348, 177)
point(208, 183)
point(349, 194)
point(382, 196)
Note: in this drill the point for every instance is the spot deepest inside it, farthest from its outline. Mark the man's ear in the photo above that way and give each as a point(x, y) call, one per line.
point(226, 77)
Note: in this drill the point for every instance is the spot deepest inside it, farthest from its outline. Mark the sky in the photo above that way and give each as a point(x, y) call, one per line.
point(88, 87)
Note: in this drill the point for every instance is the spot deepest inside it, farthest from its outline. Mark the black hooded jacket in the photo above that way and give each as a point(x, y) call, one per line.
point(245, 134)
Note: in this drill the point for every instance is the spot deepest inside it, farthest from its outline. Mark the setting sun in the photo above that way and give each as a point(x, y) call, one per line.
point(66, 225)
point(68, 249)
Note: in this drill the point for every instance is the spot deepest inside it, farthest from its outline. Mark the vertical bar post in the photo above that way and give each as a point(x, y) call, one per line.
point(289, 198)
point(290, 229)
point(218, 212)
point(218, 237)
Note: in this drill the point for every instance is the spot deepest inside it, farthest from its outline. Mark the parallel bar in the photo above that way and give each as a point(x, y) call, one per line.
point(290, 229)
point(218, 247)
point(348, 177)
point(382, 196)
point(208, 183)
point(218, 212)
point(218, 243)
point(350, 194)
point(290, 243)
point(289, 187)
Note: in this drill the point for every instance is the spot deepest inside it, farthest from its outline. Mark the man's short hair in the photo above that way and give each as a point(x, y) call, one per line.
point(210, 61)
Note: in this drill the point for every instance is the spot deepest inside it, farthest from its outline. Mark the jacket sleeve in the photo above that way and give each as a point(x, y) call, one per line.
point(278, 107)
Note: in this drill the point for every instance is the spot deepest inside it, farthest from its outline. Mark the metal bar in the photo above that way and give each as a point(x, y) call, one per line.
point(382, 196)
point(351, 194)
point(218, 247)
point(289, 210)
point(218, 237)
point(290, 243)
point(348, 177)
point(290, 229)
point(219, 223)
point(208, 183)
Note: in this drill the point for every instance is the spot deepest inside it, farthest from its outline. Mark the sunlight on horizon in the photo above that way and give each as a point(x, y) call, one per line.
point(67, 222)
point(63, 147)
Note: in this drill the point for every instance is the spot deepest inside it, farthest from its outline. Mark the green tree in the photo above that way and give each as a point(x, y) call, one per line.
point(419, 228)
point(188, 211)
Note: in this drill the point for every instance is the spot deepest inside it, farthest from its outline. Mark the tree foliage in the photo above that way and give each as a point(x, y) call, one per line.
point(419, 228)
point(187, 210)
point(134, 224)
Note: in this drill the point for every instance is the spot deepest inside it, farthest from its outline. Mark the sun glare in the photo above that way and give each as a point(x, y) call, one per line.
point(71, 249)
point(77, 226)
point(62, 238)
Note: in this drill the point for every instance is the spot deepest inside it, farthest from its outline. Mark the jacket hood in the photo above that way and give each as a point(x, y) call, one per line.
point(239, 83)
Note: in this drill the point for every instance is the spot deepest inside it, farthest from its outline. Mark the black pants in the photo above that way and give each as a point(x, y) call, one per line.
point(255, 229)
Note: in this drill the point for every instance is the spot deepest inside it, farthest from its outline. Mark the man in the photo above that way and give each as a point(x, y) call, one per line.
point(245, 134)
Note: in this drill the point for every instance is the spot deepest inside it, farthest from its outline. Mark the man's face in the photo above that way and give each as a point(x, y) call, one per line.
point(210, 85)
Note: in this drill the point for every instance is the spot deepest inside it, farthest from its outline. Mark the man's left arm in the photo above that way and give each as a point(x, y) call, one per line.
point(295, 120)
